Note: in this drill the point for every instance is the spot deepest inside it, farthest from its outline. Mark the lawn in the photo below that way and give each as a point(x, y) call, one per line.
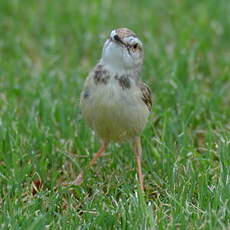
point(47, 48)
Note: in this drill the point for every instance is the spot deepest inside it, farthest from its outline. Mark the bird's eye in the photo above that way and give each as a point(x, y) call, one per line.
point(135, 46)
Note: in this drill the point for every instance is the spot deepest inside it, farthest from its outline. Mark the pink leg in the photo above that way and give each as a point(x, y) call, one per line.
point(100, 152)
point(138, 153)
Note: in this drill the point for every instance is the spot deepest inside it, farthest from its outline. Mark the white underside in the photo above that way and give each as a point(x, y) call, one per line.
point(115, 114)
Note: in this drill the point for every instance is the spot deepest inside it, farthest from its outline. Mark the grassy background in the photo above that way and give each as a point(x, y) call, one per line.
point(47, 47)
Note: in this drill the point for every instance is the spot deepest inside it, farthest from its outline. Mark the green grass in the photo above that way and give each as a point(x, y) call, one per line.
point(47, 47)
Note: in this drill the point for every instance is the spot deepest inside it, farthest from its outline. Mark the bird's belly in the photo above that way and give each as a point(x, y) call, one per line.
point(115, 114)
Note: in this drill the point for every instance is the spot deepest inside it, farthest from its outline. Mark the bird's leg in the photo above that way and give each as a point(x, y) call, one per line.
point(98, 154)
point(138, 153)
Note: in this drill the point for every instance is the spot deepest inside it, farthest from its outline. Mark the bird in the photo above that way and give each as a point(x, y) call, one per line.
point(114, 102)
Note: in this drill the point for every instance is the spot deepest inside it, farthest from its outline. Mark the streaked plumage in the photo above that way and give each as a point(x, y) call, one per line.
point(115, 102)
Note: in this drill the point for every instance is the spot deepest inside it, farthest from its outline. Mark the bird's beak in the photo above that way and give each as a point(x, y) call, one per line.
point(118, 39)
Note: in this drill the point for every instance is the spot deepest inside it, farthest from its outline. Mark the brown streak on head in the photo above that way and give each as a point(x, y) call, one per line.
point(124, 32)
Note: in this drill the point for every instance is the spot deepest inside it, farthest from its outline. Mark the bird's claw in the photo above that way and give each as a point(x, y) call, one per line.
point(76, 182)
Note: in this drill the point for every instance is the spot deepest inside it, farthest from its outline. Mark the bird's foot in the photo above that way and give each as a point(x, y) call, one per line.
point(76, 182)
point(105, 154)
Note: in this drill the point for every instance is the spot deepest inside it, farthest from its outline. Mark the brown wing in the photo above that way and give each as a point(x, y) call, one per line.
point(146, 95)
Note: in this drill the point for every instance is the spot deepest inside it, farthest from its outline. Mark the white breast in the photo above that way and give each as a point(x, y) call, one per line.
point(115, 114)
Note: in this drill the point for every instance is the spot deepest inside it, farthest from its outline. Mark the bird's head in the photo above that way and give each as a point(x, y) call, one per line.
point(123, 51)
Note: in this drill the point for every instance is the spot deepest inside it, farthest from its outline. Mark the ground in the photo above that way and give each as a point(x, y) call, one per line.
point(47, 48)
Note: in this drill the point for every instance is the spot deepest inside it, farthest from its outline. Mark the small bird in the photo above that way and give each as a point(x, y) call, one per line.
point(115, 102)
